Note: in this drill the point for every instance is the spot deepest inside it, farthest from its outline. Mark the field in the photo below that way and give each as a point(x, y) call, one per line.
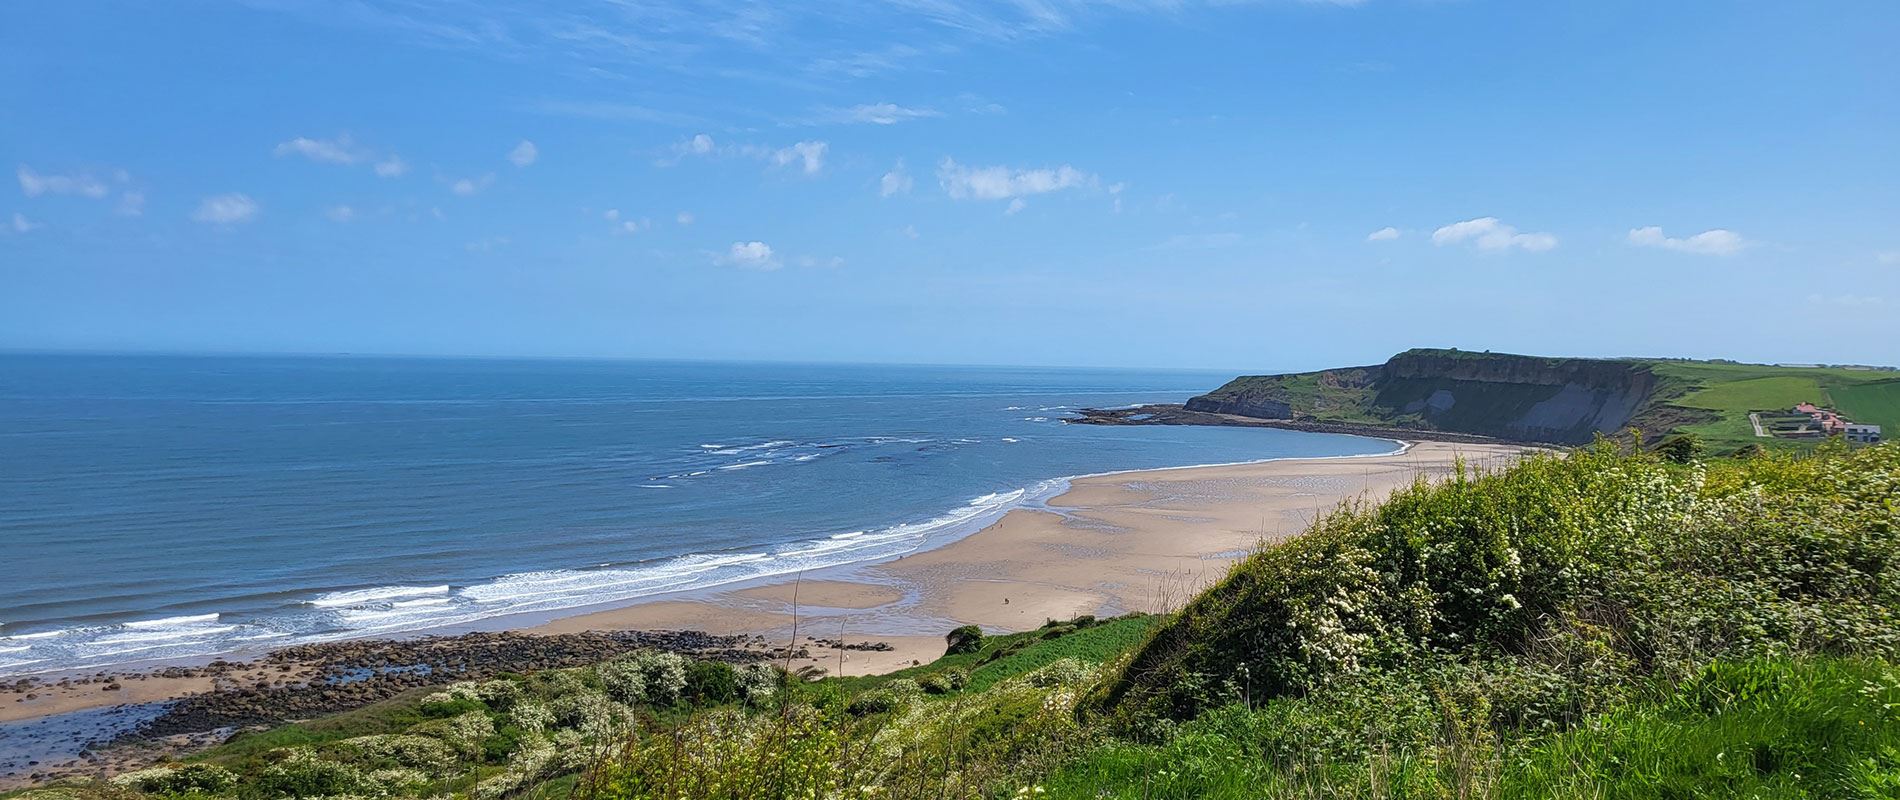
point(1734, 390)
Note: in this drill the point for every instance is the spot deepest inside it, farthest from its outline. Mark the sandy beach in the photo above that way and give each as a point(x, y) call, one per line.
point(1137, 541)
point(1112, 544)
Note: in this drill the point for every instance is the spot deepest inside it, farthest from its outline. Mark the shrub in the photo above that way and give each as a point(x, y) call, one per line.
point(758, 683)
point(966, 639)
point(302, 773)
point(710, 682)
point(179, 779)
point(650, 676)
point(1579, 577)
point(403, 750)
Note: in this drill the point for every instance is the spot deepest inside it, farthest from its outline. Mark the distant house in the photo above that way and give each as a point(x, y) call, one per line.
point(1831, 423)
point(1861, 433)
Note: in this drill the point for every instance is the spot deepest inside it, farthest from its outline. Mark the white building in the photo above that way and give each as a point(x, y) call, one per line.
point(1864, 434)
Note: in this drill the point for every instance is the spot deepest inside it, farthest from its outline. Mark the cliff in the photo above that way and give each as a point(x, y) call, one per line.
point(1558, 400)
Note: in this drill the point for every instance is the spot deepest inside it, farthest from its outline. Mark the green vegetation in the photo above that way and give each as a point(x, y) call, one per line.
point(1876, 402)
point(1599, 624)
point(1561, 400)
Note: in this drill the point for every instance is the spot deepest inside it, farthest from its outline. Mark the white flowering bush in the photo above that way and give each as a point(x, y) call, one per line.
point(758, 683)
point(178, 779)
point(427, 754)
point(650, 676)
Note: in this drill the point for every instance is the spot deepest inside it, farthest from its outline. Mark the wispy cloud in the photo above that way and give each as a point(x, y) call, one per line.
point(873, 114)
point(340, 213)
point(1383, 235)
point(85, 184)
point(808, 156)
point(226, 209)
point(20, 224)
point(1488, 233)
point(470, 186)
point(963, 182)
point(613, 111)
point(1716, 242)
point(626, 224)
point(683, 218)
point(896, 181)
point(391, 167)
point(1851, 301)
point(340, 150)
point(524, 154)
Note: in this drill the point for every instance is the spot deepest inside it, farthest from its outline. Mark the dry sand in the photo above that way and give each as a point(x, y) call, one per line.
point(1112, 544)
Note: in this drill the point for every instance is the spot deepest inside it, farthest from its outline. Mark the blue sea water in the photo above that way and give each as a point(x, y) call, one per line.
point(156, 507)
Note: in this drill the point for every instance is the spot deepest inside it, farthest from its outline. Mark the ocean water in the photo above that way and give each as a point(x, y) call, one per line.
point(157, 507)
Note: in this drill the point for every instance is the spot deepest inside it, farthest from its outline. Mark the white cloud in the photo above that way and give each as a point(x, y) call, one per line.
point(809, 155)
point(877, 114)
point(1015, 204)
point(329, 151)
point(1115, 192)
point(469, 186)
point(341, 214)
point(749, 255)
point(1889, 257)
point(611, 215)
point(524, 153)
point(1383, 235)
point(897, 181)
point(684, 218)
point(909, 231)
point(814, 261)
point(1490, 234)
point(391, 167)
point(1002, 183)
point(1716, 242)
point(635, 225)
point(132, 203)
point(34, 184)
point(226, 209)
point(20, 224)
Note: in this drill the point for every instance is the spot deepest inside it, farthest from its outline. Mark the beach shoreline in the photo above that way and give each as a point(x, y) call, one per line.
point(1106, 544)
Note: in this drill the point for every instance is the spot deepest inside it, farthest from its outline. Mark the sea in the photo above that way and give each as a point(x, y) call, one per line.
point(157, 508)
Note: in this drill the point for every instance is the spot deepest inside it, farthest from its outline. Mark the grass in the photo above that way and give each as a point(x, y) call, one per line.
point(1761, 728)
point(1876, 403)
point(1011, 655)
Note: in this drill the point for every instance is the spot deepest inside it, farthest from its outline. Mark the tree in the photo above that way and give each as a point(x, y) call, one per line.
point(967, 639)
point(1681, 448)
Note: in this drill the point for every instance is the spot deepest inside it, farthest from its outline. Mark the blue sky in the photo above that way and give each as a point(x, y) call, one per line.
point(1169, 183)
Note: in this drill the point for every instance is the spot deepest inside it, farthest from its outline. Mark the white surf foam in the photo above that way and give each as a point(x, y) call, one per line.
point(380, 594)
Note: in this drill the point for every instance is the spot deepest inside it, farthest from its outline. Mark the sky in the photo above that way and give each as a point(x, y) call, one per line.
point(1157, 183)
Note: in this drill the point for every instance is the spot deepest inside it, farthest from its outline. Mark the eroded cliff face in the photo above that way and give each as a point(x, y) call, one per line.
point(1560, 400)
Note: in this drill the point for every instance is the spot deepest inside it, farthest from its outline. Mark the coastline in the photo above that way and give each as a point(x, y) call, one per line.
point(1104, 544)
point(1111, 543)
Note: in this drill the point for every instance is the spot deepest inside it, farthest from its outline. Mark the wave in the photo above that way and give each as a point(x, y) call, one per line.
point(172, 622)
point(379, 594)
point(385, 610)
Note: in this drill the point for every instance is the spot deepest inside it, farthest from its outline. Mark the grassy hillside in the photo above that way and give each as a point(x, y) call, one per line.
point(1590, 625)
point(1557, 399)
point(1733, 390)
